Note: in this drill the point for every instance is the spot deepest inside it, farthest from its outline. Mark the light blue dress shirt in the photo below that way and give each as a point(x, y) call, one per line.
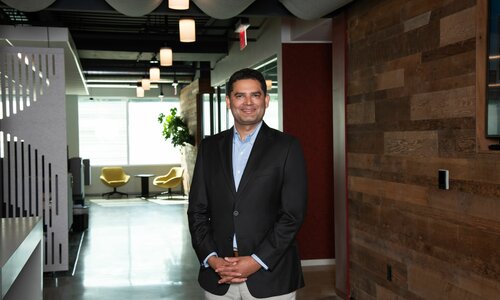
point(241, 153)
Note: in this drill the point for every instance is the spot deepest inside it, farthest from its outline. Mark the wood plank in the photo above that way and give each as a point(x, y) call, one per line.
point(392, 110)
point(432, 285)
point(457, 143)
point(451, 66)
point(457, 27)
point(366, 142)
point(417, 21)
point(361, 113)
point(390, 190)
point(390, 79)
point(411, 143)
point(466, 204)
point(449, 50)
point(453, 103)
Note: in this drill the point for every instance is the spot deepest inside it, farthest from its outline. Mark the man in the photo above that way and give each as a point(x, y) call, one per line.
point(247, 202)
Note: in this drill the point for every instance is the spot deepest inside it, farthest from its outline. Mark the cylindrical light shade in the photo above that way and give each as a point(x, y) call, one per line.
point(269, 84)
point(146, 84)
point(166, 56)
point(154, 74)
point(178, 4)
point(139, 92)
point(187, 30)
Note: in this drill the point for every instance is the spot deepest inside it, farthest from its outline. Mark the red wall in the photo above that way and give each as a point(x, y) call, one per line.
point(307, 114)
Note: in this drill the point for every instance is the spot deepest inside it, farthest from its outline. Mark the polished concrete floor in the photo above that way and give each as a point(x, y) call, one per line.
point(141, 250)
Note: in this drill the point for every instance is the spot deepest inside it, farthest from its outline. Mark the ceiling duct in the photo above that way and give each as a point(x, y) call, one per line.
point(222, 9)
point(307, 11)
point(29, 5)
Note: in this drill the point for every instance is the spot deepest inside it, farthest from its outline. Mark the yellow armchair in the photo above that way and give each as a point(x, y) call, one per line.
point(171, 180)
point(114, 177)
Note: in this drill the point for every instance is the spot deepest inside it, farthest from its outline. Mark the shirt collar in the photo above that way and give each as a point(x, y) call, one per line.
point(249, 138)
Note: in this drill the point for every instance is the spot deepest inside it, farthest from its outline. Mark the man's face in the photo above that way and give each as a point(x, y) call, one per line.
point(247, 102)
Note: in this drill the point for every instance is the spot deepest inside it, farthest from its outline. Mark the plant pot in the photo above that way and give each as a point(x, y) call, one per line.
point(188, 160)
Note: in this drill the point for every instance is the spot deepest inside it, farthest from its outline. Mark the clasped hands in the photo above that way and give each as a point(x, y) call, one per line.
point(233, 269)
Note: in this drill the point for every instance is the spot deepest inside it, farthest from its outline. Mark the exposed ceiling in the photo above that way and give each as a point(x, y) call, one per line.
point(113, 46)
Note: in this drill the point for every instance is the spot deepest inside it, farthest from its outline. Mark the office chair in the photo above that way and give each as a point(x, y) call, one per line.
point(170, 181)
point(114, 177)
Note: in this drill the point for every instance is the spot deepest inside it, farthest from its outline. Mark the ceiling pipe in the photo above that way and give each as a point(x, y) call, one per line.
point(307, 11)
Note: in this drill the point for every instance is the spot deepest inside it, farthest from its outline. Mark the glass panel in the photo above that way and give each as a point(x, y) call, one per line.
point(493, 90)
point(269, 69)
point(206, 115)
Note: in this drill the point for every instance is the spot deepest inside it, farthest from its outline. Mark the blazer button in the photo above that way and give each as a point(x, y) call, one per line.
point(235, 213)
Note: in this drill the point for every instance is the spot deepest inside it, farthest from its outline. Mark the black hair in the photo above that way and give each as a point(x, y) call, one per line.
point(246, 74)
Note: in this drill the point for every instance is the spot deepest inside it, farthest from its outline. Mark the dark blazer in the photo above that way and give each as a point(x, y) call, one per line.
point(265, 213)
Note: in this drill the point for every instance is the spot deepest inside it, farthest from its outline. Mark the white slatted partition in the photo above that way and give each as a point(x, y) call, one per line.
point(33, 164)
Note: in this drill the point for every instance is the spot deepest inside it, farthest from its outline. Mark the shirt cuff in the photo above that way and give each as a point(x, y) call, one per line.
point(257, 259)
point(205, 262)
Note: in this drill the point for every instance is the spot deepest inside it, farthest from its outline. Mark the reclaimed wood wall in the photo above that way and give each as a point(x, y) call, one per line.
point(411, 110)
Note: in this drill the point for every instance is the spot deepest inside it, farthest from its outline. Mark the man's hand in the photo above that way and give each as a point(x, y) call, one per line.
point(237, 269)
point(218, 263)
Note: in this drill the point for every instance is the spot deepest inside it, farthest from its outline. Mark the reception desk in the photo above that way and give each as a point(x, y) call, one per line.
point(21, 269)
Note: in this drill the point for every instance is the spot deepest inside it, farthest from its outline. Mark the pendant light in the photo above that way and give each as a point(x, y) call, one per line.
point(166, 56)
point(269, 84)
point(178, 4)
point(139, 91)
point(187, 30)
point(154, 70)
point(146, 84)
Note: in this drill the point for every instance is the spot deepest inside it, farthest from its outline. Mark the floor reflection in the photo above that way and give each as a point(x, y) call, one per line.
point(142, 250)
point(139, 251)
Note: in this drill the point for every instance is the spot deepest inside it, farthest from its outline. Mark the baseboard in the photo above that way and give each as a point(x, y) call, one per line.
point(317, 262)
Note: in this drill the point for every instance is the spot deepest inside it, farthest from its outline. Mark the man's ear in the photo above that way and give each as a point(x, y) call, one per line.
point(267, 100)
point(228, 102)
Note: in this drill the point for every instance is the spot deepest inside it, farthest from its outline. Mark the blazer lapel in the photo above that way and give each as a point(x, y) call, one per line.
point(226, 157)
point(258, 151)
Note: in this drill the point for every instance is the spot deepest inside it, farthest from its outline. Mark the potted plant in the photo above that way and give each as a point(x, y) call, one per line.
point(175, 129)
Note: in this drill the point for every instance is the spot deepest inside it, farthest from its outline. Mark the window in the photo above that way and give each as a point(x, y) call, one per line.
point(493, 89)
point(117, 131)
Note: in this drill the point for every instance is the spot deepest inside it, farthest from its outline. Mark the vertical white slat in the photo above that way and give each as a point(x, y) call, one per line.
point(18, 68)
point(18, 178)
point(3, 72)
point(8, 185)
point(4, 198)
point(8, 84)
point(25, 179)
point(31, 182)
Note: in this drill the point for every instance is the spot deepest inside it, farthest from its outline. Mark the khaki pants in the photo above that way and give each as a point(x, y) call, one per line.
point(239, 291)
